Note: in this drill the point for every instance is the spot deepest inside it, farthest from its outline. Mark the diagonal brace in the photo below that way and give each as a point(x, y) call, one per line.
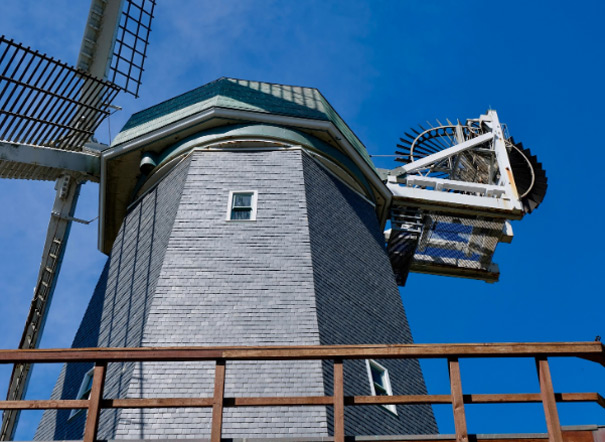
point(436, 157)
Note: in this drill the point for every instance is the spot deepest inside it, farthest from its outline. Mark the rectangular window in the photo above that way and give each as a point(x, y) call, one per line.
point(84, 391)
point(242, 205)
point(380, 384)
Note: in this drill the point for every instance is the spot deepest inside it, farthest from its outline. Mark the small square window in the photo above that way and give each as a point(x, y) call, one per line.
point(242, 205)
point(84, 390)
point(380, 384)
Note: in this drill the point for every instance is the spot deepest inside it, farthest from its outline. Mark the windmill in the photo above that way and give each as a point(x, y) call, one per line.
point(49, 112)
point(449, 206)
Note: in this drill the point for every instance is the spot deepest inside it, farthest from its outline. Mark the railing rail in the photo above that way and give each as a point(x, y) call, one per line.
point(593, 351)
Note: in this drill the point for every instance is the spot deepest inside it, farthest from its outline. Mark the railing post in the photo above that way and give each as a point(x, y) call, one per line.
point(457, 400)
point(548, 400)
point(218, 401)
point(339, 402)
point(94, 402)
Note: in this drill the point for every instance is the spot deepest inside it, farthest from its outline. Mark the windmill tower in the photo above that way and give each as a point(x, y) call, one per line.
point(242, 213)
point(249, 213)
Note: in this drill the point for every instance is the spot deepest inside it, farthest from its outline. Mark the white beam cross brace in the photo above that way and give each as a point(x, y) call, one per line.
point(506, 174)
point(436, 157)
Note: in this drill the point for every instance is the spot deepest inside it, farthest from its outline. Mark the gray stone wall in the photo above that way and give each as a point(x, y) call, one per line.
point(118, 310)
point(358, 302)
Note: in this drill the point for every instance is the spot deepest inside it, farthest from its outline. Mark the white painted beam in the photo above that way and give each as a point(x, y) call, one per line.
point(96, 50)
point(471, 204)
point(82, 163)
point(436, 157)
point(506, 173)
point(463, 186)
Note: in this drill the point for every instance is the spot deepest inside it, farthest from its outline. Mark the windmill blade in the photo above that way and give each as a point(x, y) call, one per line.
point(49, 107)
point(114, 46)
point(68, 189)
point(131, 45)
point(98, 41)
point(45, 102)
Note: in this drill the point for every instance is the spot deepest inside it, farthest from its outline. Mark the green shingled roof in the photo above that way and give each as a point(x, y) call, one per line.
point(230, 93)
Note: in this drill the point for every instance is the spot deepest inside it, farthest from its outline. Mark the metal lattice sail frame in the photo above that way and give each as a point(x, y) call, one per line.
point(115, 41)
point(46, 102)
point(131, 45)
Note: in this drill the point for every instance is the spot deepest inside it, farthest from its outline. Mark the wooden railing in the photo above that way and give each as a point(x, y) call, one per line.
point(593, 351)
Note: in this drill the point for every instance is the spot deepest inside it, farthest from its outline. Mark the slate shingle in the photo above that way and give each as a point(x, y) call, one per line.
point(310, 270)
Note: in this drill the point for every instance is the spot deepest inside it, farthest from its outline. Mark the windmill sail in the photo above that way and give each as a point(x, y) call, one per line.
point(46, 102)
point(130, 50)
point(115, 41)
point(49, 111)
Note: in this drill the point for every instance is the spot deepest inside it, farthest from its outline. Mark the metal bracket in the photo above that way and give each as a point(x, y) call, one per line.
point(71, 218)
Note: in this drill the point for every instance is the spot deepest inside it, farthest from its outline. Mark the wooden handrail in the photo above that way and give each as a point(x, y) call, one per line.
point(268, 401)
point(593, 351)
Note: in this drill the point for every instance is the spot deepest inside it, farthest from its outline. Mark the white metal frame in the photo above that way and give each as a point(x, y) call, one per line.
point(387, 382)
point(433, 192)
point(436, 157)
point(68, 161)
point(254, 203)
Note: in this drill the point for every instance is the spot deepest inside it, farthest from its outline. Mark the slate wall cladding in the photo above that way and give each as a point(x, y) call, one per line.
point(234, 283)
point(358, 302)
point(117, 312)
point(311, 269)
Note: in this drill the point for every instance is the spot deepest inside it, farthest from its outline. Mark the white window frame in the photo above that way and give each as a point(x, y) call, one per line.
point(254, 205)
point(88, 376)
point(387, 382)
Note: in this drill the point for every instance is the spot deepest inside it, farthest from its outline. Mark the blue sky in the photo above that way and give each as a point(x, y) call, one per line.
point(385, 66)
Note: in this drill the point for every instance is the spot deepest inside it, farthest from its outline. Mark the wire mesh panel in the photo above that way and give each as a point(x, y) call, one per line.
point(443, 244)
point(406, 228)
point(457, 241)
point(131, 45)
point(46, 102)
